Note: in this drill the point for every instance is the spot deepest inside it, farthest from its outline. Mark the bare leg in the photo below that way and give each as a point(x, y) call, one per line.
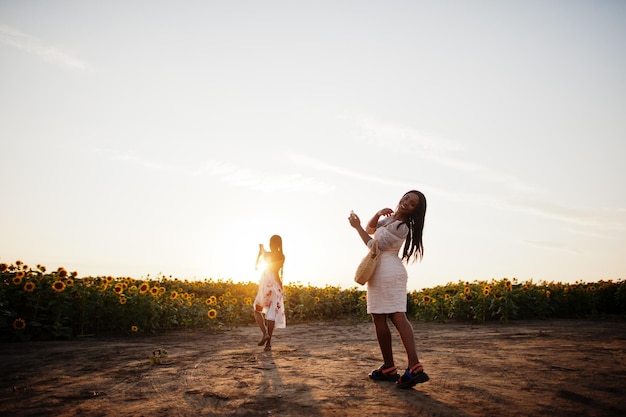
point(260, 320)
point(270, 331)
point(383, 334)
point(405, 330)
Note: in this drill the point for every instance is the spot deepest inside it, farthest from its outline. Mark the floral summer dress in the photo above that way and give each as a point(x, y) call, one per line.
point(270, 297)
point(386, 290)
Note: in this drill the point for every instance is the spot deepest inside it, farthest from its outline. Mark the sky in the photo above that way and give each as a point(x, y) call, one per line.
point(171, 138)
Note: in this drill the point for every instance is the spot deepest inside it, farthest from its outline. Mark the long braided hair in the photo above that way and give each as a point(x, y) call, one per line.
point(413, 246)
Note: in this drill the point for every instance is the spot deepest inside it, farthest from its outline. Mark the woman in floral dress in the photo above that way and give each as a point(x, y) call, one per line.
point(269, 310)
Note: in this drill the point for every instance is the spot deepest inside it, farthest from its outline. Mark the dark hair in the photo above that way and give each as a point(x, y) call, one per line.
point(413, 246)
point(278, 257)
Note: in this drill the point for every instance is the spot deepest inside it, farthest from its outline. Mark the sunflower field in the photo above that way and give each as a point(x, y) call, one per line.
point(39, 305)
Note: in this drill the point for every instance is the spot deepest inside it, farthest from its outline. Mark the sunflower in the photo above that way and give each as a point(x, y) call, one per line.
point(58, 286)
point(212, 313)
point(173, 295)
point(317, 299)
point(123, 300)
point(69, 282)
point(363, 297)
point(154, 291)
point(62, 272)
point(211, 300)
point(29, 287)
point(118, 289)
point(426, 299)
point(19, 324)
point(134, 329)
point(17, 279)
point(3, 267)
point(143, 288)
point(486, 291)
point(467, 289)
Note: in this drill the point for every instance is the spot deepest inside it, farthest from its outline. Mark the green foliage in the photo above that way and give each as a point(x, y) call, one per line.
point(35, 304)
point(506, 299)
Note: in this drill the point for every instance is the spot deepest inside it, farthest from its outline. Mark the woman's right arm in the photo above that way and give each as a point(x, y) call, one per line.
point(261, 253)
point(373, 223)
point(356, 223)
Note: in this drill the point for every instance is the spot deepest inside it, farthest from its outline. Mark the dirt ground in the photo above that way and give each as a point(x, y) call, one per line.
point(541, 368)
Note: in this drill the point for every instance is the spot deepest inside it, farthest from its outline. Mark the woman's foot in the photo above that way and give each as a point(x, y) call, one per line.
point(385, 373)
point(412, 376)
point(268, 347)
point(264, 339)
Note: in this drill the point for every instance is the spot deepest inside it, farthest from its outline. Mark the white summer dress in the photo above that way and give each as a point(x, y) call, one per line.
point(387, 289)
point(270, 297)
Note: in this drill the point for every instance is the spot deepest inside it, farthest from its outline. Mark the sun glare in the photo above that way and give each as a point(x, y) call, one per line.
point(261, 265)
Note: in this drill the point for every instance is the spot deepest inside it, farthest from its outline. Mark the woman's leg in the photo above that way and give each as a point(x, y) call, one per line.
point(260, 320)
point(401, 322)
point(270, 331)
point(383, 334)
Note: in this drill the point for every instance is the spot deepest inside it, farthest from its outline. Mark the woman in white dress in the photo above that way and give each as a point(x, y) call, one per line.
point(387, 289)
point(268, 304)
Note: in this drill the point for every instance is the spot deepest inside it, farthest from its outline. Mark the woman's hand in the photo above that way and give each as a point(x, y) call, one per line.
point(384, 212)
point(354, 220)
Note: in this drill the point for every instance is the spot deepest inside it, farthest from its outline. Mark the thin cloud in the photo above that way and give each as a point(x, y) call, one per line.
point(233, 174)
point(529, 204)
point(403, 137)
point(130, 158)
point(263, 181)
point(314, 163)
point(551, 246)
point(439, 150)
point(303, 160)
point(37, 47)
